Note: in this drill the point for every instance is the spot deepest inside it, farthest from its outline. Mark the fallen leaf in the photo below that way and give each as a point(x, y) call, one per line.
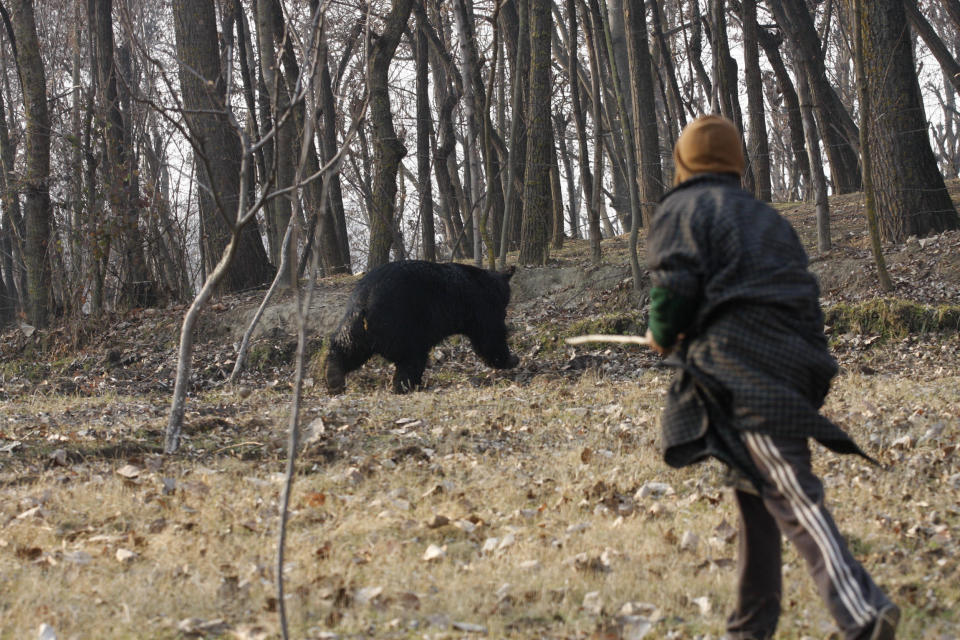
point(438, 521)
point(703, 602)
point(125, 556)
point(129, 471)
point(592, 603)
point(434, 552)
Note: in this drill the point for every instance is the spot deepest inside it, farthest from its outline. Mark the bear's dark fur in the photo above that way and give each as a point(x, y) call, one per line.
point(402, 309)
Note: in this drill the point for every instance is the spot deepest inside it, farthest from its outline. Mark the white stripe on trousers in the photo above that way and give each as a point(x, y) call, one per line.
point(811, 518)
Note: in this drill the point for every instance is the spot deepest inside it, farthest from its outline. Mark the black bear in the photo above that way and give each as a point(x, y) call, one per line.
point(402, 309)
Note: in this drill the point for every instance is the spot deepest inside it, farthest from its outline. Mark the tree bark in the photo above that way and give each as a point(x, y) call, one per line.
point(136, 290)
point(818, 187)
point(726, 85)
point(579, 121)
point(951, 69)
point(758, 147)
point(37, 208)
point(285, 145)
point(328, 148)
point(537, 196)
point(424, 125)
point(216, 148)
point(912, 198)
point(839, 132)
point(388, 150)
point(10, 202)
point(864, 93)
point(646, 135)
point(771, 46)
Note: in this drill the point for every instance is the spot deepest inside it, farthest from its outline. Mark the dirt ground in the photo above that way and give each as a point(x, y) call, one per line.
point(522, 503)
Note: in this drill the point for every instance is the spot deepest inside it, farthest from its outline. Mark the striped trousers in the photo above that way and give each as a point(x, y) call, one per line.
point(791, 503)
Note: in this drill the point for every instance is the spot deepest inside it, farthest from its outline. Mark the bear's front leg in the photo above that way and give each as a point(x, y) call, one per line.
point(409, 375)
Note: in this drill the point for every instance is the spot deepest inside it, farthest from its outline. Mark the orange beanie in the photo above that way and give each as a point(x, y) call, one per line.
point(709, 144)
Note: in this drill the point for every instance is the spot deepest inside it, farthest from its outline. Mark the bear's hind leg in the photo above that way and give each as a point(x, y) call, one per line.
point(409, 375)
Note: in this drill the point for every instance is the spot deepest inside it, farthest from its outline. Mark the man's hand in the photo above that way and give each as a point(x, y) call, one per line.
point(663, 351)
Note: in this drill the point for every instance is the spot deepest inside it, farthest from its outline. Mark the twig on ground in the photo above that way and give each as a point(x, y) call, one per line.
point(593, 337)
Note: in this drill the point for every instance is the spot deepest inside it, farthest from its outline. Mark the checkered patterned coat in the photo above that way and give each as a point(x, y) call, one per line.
point(755, 358)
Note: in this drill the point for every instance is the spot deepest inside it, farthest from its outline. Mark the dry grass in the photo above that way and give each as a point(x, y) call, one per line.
point(548, 469)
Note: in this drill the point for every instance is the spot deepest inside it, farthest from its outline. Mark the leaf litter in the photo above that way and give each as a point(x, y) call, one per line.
point(514, 504)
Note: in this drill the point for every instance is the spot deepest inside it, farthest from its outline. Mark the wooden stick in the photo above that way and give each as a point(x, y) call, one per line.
point(641, 340)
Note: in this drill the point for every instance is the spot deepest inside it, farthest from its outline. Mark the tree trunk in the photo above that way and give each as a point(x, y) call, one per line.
point(864, 93)
point(818, 187)
point(424, 125)
point(216, 147)
point(771, 46)
point(573, 197)
point(285, 141)
point(726, 85)
point(911, 196)
point(665, 57)
point(37, 208)
point(388, 150)
point(645, 132)
point(951, 69)
point(758, 147)
point(537, 197)
point(10, 203)
point(519, 26)
point(839, 132)
point(579, 121)
point(328, 148)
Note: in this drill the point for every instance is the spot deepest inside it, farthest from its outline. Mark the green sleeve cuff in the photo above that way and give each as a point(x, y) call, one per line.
point(670, 315)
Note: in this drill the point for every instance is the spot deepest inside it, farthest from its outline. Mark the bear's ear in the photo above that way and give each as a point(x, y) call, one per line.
point(508, 272)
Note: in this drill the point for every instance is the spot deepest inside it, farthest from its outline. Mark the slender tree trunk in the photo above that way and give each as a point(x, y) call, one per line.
point(726, 83)
point(37, 208)
point(284, 149)
point(771, 46)
point(537, 197)
point(839, 132)
point(10, 203)
point(819, 184)
point(631, 158)
point(573, 196)
point(596, 199)
point(645, 133)
point(665, 58)
point(424, 125)
point(758, 146)
point(579, 121)
point(520, 74)
point(328, 147)
point(388, 150)
point(948, 63)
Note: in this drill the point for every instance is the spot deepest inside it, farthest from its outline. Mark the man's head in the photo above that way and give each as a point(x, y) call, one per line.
point(709, 144)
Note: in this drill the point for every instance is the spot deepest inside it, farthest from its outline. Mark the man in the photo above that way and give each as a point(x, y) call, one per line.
point(732, 296)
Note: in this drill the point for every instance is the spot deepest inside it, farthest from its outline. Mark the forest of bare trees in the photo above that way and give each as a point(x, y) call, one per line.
point(151, 151)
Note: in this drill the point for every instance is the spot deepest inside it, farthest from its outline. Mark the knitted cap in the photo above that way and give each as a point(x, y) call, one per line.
point(709, 144)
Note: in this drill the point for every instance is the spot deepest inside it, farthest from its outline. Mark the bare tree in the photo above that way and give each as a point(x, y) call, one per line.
point(216, 147)
point(389, 150)
point(37, 210)
point(537, 195)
